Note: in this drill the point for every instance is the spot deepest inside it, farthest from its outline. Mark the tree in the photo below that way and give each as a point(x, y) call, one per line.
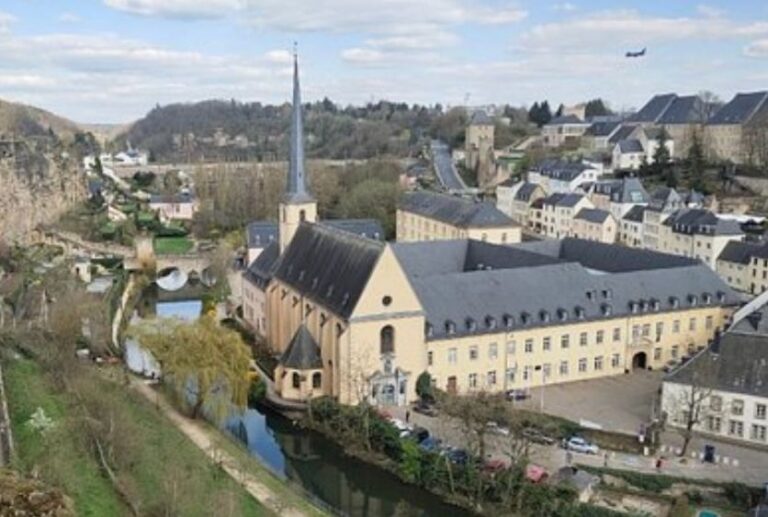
point(206, 362)
point(596, 108)
point(424, 387)
point(696, 163)
point(560, 109)
point(534, 113)
point(546, 113)
point(661, 156)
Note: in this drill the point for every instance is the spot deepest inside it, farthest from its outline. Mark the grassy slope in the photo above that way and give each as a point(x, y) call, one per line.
point(172, 245)
point(163, 460)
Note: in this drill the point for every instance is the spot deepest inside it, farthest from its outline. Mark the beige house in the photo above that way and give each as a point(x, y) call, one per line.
point(181, 206)
point(593, 224)
point(558, 213)
point(631, 227)
point(744, 266)
point(564, 130)
point(682, 117)
point(618, 196)
point(727, 385)
point(737, 132)
point(515, 200)
point(430, 216)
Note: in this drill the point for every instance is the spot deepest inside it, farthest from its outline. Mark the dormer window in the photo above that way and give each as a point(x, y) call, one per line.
point(607, 294)
point(329, 292)
point(525, 318)
point(606, 309)
point(509, 321)
point(706, 298)
point(674, 302)
point(450, 327)
point(544, 316)
point(490, 322)
point(471, 325)
point(655, 304)
point(301, 275)
point(644, 305)
point(345, 300)
point(562, 314)
point(581, 313)
point(634, 307)
point(428, 329)
point(693, 300)
point(721, 297)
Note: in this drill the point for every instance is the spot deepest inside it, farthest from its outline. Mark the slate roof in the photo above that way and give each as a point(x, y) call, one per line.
point(688, 109)
point(663, 197)
point(621, 134)
point(738, 363)
point(570, 200)
point(296, 190)
point(565, 119)
point(742, 252)
point(260, 233)
point(329, 266)
point(302, 353)
point(602, 128)
point(654, 108)
point(740, 109)
point(697, 221)
point(261, 270)
point(455, 211)
point(624, 190)
point(480, 118)
point(635, 214)
point(561, 169)
point(370, 228)
point(525, 191)
point(593, 215)
point(631, 146)
point(177, 198)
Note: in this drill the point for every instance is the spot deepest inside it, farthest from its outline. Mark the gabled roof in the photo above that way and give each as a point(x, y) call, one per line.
point(302, 353)
point(261, 270)
point(526, 190)
point(741, 108)
point(630, 146)
point(742, 252)
point(624, 190)
point(697, 221)
point(565, 119)
point(593, 215)
point(329, 266)
point(480, 118)
point(621, 134)
point(602, 128)
point(635, 214)
point(654, 108)
point(455, 211)
point(370, 228)
point(688, 109)
point(562, 170)
point(665, 198)
point(261, 233)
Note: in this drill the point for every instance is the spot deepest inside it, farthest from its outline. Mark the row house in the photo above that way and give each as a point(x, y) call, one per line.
point(593, 224)
point(737, 132)
point(515, 200)
point(565, 130)
point(744, 266)
point(556, 176)
point(557, 213)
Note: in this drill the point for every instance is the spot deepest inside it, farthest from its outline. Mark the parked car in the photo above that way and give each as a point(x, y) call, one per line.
point(493, 466)
point(517, 394)
point(493, 427)
point(579, 444)
point(431, 444)
point(457, 456)
point(425, 409)
point(536, 436)
point(418, 434)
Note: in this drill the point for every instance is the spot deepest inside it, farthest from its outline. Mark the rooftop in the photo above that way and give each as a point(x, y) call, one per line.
point(302, 352)
point(742, 252)
point(635, 214)
point(741, 108)
point(654, 109)
point(593, 215)
point(480, 118)
point(565, 119)
point(454, 210)
point(630, 146)
point(698, 221)
point(624, 190)
point(602, 128)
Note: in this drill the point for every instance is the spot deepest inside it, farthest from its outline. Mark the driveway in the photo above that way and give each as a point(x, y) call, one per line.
point(621, 403)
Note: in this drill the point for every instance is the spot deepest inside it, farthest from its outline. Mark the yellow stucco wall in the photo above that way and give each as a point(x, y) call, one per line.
point(415, 227)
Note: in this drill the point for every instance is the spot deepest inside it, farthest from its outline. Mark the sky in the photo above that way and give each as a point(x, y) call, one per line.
point(111, 61)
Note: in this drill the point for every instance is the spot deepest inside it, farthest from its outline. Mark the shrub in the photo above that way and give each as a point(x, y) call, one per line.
point(741, 495)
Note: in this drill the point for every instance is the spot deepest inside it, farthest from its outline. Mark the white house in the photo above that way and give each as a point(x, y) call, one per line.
point(561, 176)
point(182, 206)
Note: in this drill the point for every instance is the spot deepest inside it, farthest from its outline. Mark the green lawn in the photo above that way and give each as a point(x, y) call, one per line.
point(172, 245)
point(164, 473)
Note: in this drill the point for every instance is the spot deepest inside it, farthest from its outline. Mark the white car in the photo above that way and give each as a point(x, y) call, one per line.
point(401, 426)
point(578, 444)
point(495, 428)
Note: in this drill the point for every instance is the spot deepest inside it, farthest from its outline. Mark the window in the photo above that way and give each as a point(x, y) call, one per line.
point(317, 380)
point(546, 371)
point(493, 351)
point(582, 365)
point(296, 380)
point(473, 353)
point(635, 331)
point(511, 347)
point(659, 330)
point(736, 428)
point(473, 380)
point(758, 432)
point(646, 330)
point(565, 341)
point(716, 403)
point(430, 358)
point(615, 360)
point(583, 339)
point(657, 353)
point(492, 378)
point(563, 367)
point(617, 334)
point(302, 215)
point(692, 324)
point(708, 323)
point(528, 346)
point(760, 411)
point(599, 337)
point(676, 327)
point(714, 424)
point(675, 351)
point(510, 375)
point(527, 373)
point(546, 344)
point(737, 407)
point(451, 356)
point(598, 363)
point(387, 340)
point(386, 301)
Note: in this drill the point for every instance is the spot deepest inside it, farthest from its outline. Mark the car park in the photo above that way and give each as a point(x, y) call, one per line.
point(579, 444)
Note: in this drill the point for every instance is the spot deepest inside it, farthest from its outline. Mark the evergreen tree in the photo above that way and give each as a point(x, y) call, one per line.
point(546, 113)
point(534, 113)
point(596, 108)
point(661, 156)
point(696, 163)
point(560, 110)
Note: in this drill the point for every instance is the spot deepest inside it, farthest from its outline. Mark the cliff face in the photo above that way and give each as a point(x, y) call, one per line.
point(38, 181)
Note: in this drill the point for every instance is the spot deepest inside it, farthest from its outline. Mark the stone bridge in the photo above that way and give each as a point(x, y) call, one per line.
point(187, 263)
point(73, 243)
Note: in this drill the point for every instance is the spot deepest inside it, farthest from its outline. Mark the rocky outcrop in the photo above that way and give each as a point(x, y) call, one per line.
point(27, 497)
point(39, 180)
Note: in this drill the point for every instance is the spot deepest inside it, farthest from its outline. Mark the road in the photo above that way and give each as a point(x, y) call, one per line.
point(444, 167)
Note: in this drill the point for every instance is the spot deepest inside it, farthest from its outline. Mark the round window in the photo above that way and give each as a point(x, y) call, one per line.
point(386, 300)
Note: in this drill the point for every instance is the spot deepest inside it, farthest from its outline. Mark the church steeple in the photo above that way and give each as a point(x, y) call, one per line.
point(297, 205)
point(296, 189)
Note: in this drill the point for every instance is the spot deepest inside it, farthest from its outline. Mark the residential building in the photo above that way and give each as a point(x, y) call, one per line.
point(593, 224)
point(744, 266)
point(628, 154)
point(640, 148)
point(618, 196)
point(728, 384)
point(558, 213)
point(682, 117)
point(515, 200)
point(429, 216)
point(597, 136)
point(180, 206)
point(564, 130)
point(564, 176)
point(737, 132)
point(631, 230)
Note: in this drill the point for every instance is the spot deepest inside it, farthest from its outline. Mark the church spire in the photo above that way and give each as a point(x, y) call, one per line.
point(296, 191)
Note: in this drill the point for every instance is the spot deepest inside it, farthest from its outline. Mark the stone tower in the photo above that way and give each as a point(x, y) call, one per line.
point(297, 204)
point(479, 143)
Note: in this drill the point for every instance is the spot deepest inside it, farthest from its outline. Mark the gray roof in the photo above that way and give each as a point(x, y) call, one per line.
point(329, 266)
point(260, 233)
point(525, 191)
point(635, 214)
point(296, 188)
point(736, 363)
point(741, 108)
point(624, 190)
point(665, 198)
point(742, 252)
point(177, 198)
point(454, 210)
point(370, 228)
point(602, 128)
point(480, 118)
point(521, 290)
point(689, 109)
point(565, 200)
point(302, 353)
point(621, 134)
point(654, 108)
point(560, 169)
point(261, 270)
point(698, 221)
point(565, 119)
point(631, 146)
point(593, 215)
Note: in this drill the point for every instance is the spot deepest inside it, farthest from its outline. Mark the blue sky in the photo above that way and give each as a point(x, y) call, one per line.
point(113, 60)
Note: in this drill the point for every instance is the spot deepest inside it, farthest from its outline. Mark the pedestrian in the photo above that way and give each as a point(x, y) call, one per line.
point(605, 460)
point(568, 457)
point(658, 463)
point(407, 416)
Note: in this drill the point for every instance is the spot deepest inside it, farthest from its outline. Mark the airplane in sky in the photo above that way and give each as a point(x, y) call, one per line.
point(636, 54)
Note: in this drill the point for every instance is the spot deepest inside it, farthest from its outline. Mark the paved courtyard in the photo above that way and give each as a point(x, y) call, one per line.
point(620, 403)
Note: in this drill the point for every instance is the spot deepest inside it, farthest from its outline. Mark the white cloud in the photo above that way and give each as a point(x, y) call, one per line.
point(6, 19)
point(709, 11)
point(69, 18)
point(278, 56)
point(757, 48)
point(564, 7)
point(191, 9)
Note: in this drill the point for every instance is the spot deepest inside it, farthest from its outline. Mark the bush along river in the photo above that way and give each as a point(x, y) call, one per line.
point(346, 485)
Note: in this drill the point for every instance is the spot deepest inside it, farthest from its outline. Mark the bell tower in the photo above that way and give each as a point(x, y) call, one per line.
point(297, 204)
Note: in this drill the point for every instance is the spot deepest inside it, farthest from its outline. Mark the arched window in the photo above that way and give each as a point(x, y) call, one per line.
point(317, 380)
point(387, 340)
point(296, 380)
point(302, 215)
